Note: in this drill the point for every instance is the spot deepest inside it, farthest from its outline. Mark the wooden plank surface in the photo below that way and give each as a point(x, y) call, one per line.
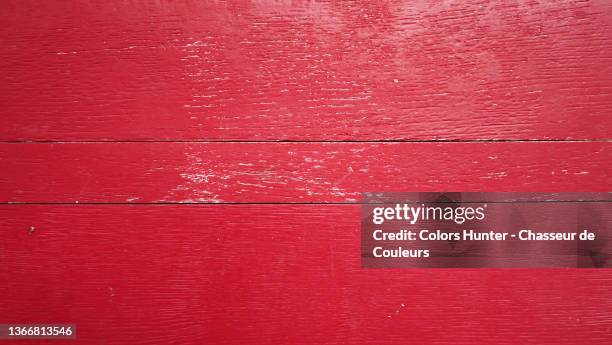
point(191, 70)
point(113, 111)
point(291, 172)
point(264, 274)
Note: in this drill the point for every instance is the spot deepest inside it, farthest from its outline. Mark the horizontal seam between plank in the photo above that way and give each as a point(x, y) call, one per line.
point(289, 203)
point(307, 141)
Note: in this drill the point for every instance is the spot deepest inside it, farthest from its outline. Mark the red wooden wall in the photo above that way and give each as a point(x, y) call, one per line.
point(189, 172)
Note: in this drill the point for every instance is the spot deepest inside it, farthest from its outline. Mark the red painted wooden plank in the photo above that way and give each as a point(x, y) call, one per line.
point(291, 172)
point(142, 70)
point(268, 274)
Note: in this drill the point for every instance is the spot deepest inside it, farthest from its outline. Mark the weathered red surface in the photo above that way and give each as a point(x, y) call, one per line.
point(264, 274)
point(305, 70)
point(291, 172)
point(169, 71)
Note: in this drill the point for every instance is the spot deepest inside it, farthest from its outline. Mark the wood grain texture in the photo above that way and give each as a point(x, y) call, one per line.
point(286, 70)
point(132, 97)
point(291, 172)
point(269, 274)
